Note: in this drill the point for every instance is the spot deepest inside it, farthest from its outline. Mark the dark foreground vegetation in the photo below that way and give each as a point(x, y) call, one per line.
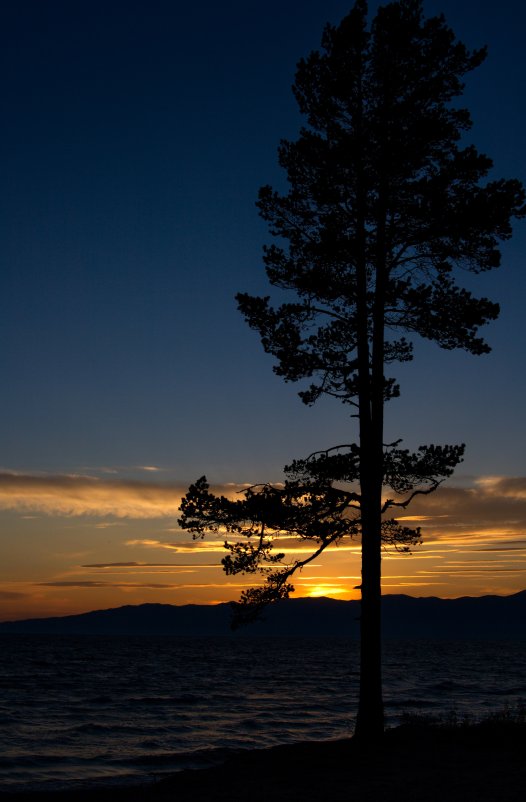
point(422, 760)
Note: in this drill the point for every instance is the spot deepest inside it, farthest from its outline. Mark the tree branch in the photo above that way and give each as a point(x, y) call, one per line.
point(403, 504)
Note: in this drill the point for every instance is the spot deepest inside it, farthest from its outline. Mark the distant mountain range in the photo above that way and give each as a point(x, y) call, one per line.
point(485, 617)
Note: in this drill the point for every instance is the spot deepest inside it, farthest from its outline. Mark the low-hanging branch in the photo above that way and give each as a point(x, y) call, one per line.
point(317, 503)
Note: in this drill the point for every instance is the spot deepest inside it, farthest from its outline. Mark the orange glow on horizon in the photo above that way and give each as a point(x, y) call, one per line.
point(75, 544)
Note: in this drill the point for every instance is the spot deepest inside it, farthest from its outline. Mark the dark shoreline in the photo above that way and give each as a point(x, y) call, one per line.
point(484, 762)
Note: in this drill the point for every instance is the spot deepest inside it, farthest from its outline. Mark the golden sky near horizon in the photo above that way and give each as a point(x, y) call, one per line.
point(76, 543)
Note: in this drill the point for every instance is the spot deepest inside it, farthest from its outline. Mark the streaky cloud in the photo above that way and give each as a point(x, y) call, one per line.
point(150, 565)
point(101, 584)
point(7, 595)
point(80, 495)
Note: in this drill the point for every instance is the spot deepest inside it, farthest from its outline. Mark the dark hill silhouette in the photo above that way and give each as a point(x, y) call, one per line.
point(486, 617)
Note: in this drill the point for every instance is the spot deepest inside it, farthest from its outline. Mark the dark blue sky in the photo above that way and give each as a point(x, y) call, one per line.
point(135, 136)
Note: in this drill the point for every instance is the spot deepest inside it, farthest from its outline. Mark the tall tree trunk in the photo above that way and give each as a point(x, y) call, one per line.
point(370, 719)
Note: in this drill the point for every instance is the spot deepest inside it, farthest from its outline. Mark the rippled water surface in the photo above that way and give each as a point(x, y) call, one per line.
point(92, 708)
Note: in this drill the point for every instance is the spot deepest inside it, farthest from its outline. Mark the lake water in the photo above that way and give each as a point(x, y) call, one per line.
point(125, 709)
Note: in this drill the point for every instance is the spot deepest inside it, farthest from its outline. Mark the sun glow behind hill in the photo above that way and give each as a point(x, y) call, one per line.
point(328, 590)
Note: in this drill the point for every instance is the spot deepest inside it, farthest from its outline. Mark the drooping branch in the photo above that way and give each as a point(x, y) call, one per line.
point(319, 503)
point(254, 600)
point(388, 503)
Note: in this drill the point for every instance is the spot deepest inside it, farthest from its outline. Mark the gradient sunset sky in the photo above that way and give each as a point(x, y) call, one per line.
point(135, 136)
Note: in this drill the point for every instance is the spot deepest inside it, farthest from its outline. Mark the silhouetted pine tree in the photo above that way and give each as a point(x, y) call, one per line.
point(387, 207)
